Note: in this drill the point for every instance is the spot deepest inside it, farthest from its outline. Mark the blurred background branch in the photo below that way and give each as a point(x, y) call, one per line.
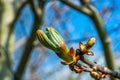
point(38, 13)
point(22, 57)
point(95, 17)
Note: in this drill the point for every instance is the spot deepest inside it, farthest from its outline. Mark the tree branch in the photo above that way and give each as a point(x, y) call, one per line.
point(81, 9)
point(13, 22)
point(11, 28)
point(104, 38)
point(29, 45)
point(95, 17)
point(104, 70)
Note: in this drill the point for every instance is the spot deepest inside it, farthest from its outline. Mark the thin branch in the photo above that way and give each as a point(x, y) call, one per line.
point(82, 9)
point(29, 45)
point(3, 51)
point(104, 38)
point(21, 42)
point(86, 69)
point(95, 17)
point(104, 70)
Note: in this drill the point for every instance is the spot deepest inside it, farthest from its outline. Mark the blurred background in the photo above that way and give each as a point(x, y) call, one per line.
point(23, 57)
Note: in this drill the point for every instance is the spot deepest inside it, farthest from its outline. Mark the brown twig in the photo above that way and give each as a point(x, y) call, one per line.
point(86, 69)
point(92, 67)
point(95, 17)
point(104, 70)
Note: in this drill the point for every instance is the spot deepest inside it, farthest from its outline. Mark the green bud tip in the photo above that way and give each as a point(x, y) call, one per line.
point(53, 40)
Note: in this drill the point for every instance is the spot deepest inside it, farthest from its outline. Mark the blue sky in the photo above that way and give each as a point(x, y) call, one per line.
point(77, 24)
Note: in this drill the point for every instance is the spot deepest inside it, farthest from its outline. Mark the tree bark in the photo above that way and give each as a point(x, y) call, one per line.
point(38, 13)
point(6, 17)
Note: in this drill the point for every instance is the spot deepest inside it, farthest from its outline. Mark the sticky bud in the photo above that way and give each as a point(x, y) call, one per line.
point(54, 41)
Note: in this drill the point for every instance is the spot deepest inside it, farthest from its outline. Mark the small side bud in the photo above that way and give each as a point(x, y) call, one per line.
point(96, 75)
point(90, 43)
point(78, 70)
point(85, 47)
